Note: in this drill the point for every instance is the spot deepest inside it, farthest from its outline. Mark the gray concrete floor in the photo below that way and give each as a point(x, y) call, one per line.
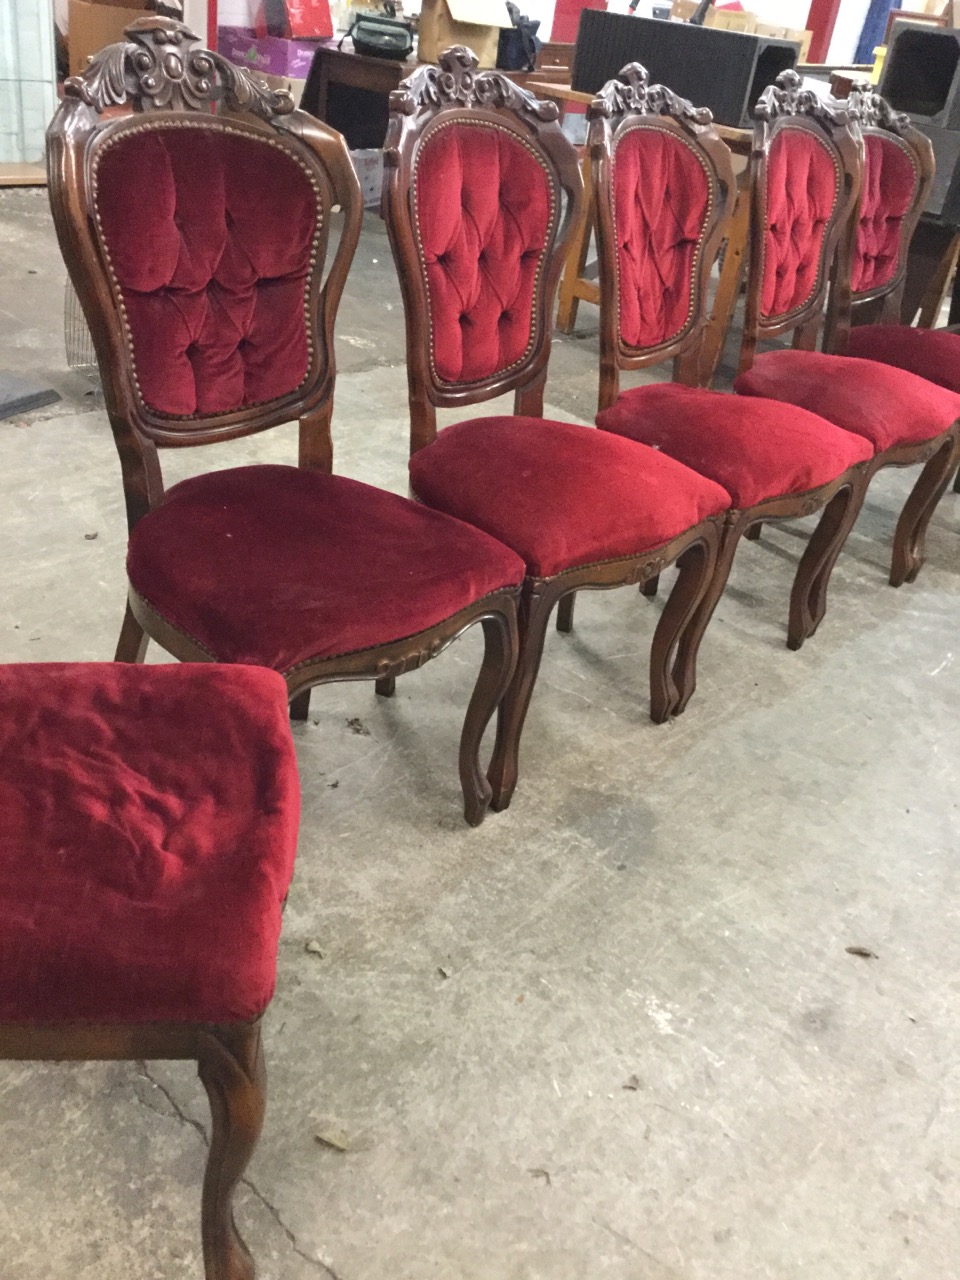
point(651, 1057)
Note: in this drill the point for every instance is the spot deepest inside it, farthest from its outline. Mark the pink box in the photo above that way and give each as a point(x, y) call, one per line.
point(269, 54)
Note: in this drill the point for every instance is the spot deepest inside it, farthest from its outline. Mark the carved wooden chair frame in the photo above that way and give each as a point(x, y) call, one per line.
point(878, 118)
point(784, 106)
point(159, 77)
point(456, 92)
point(631, 102)
point(622, 106)
point(231, 1066)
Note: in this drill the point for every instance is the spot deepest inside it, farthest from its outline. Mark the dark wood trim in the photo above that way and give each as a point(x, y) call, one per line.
point(939, 458)
point(624, 105)
point(497, 614)
point(160, 78)
point(788, 106)
point(457, 93)
point(627, 103)
point(230, 1063)
point(878, 119)
point(695, 554)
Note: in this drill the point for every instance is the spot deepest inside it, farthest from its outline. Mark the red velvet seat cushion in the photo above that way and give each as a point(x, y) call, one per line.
point(485, 209)
point(755, 449)
point(888, 406)
point(209, 236)
point(929, 353)
point(275, 566)
point(147, 838)
point(661, 200)
point(890, 181)
point(802, 189)
point(559, 494)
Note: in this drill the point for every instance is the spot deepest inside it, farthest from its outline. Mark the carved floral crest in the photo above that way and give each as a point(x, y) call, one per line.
point(875, 112)
point(456, 82)
point(632, 92)
point(789, 98)
point(161, 67)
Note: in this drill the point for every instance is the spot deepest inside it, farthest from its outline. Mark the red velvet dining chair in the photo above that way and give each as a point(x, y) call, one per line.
point(146, 848)
point(481, 193)
point(197, 241)
point(804, 148)
point(663, 184)
point(899, 169)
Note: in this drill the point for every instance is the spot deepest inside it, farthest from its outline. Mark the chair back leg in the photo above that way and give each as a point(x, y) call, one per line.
point(918, 510)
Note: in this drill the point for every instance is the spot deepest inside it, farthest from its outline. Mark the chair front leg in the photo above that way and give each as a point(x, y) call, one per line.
point(918, 511)
point(704, 570)
point(232, 1070)
point(808, 597)
point(501, 647)
point(536, 605)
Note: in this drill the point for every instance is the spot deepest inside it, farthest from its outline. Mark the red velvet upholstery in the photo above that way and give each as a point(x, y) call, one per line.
point(755, 449)
point(886, 405)
point(484, 208)
point(275, 566)
point(209, 237)
point(661, 199)
point(929, 353)
point(802, 188)
point(889, 191)
point(147, 843)
point(559, 494)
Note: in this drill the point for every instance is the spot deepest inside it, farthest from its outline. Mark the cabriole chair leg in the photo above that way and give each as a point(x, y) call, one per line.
point(918, 510)
point(496, 673)
point(232, 1070)
point(808, 597)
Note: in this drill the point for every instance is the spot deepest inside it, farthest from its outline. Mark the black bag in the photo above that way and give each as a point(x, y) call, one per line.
point(376, 36)
point(518, 46)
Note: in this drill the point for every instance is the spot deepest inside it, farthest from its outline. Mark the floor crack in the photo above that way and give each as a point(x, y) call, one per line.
point(322, 1268)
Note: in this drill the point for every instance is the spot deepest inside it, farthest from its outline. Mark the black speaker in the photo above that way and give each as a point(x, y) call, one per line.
point(723, 70)
point(921, 76)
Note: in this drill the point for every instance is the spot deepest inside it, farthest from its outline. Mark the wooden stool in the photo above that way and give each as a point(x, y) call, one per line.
point(149, 823)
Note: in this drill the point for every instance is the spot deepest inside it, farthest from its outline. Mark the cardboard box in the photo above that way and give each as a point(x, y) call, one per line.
point(267, 54)
point(475, 23)
point(92, 25)
point(368, 165)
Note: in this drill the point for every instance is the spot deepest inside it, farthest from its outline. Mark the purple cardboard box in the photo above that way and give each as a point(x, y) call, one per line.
point(269, 54)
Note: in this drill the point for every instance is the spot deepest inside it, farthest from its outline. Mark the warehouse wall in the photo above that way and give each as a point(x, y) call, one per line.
point(28, 95)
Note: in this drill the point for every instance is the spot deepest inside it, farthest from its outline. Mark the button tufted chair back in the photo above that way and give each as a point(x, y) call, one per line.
point(197, 241)
point(898, 175)
point(663, 186)
point(806, 172)
point(481, 195)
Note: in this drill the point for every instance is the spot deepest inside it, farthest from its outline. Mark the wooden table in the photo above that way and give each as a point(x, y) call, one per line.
point(361, 86)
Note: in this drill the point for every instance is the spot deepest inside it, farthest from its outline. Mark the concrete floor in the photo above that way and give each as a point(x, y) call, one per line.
point(648, 1055)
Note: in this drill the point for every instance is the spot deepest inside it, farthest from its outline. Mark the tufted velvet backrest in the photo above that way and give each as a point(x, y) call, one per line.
point(210, 235)
point(802, 191)
point(663, 198)
point(485, 216)
point(891, 188)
